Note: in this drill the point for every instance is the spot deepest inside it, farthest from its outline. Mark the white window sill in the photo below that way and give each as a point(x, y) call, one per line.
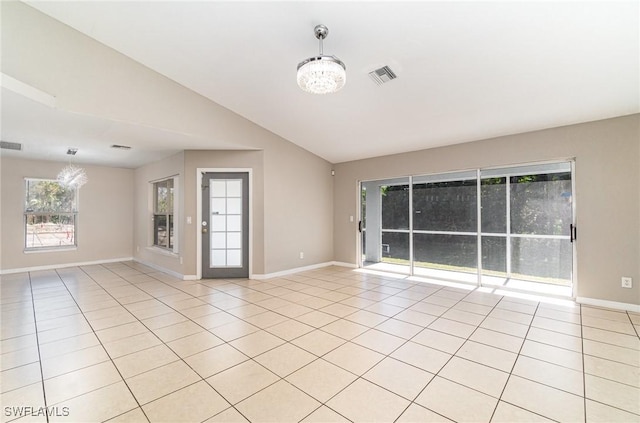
point(162, 251)
point(49, 250)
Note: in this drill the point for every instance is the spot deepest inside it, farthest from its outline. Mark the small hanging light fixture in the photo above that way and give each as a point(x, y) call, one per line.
point(72, 176)
point(321, 74)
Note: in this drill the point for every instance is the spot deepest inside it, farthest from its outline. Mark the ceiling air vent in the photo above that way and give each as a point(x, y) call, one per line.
point(11, 145)
point(121, 147)
point(382, 75)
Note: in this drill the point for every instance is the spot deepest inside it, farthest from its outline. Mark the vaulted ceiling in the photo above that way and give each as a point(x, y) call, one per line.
point(466, 70)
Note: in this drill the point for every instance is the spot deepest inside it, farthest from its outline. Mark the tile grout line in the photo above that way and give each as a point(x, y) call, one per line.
point(151, 331)
point(224, 342)
point(632, 324)
point(513, 367)
point(35, 324)
point(518, 354)
point(509, 374)
point(554, 387)
point(452, 355)
point(280, 378)
point(584, 374)
point(180, 358)
point(101, 343)
point(388, 317)
point(202, 379)
point(330, 284)
point(317, 357)
point(460, 347)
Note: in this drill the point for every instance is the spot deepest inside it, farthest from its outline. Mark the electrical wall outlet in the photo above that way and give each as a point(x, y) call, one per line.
point(627, 282)
point(301, 255)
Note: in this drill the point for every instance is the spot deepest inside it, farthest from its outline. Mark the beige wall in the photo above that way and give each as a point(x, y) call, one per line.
point(292, 200)
point(292, 207)
point(298, 209)
point(224, 160)
point(143, 212)
point(105, 214)
point(79, 71)
point(607, 193)
point(301, 209)
point(87, 77)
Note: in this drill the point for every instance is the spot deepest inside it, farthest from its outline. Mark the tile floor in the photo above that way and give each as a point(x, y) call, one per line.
point(122, 342)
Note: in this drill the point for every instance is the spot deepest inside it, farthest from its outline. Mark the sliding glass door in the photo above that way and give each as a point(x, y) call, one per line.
point(445, 226)
point(385, 225)
point(506, 227)
point(537, 202)
point(494, 237)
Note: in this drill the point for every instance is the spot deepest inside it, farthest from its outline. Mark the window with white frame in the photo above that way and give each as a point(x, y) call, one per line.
point(50, 215)
point(163, 222)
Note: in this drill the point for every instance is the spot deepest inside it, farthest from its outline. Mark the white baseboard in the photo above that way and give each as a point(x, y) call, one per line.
point(609, 304)
point(290, 271)
point(63, 265)
point(173, 273)
point(167, 271)
point(343, 264)
point(301, 269)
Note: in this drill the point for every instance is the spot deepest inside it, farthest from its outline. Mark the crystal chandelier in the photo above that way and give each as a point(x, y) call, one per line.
point(72, 176)
point(321, 74)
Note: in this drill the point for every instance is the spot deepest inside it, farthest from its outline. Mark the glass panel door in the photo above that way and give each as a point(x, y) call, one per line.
point(541, 215)
point(385, 225)
point(225, 225)
point(445, 222)
point(493, 215)
point(505, 227)
point(527, 213)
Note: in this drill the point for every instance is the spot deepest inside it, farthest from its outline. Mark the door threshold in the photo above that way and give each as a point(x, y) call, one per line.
point(464, 280)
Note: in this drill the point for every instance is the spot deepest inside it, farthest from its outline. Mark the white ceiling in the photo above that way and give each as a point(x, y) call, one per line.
point(466, 70)
point(47, 132)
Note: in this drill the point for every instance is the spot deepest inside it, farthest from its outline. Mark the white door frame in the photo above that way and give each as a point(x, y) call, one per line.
point(198, 222)
point(574, 246)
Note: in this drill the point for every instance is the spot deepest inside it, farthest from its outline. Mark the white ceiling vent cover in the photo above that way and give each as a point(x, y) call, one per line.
point(11, 145)
point(382, 75)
